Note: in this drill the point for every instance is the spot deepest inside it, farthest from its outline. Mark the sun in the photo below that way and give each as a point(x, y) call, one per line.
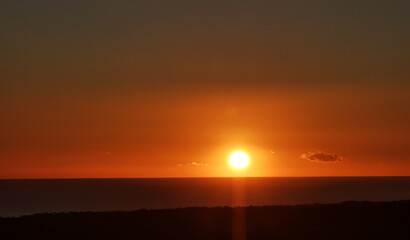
point(239, 160)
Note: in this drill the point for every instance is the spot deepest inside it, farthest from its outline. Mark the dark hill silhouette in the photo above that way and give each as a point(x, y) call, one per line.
point(347, 220)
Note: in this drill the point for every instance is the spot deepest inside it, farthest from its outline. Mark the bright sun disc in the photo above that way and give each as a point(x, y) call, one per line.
point(239, 160)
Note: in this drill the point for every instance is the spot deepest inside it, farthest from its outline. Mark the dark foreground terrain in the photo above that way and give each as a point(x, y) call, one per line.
point(348, 220)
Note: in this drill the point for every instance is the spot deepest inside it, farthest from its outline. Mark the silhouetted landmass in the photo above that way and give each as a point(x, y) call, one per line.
point(347, 220)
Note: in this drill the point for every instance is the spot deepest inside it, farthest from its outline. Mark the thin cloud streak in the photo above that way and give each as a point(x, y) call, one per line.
point(321, 156)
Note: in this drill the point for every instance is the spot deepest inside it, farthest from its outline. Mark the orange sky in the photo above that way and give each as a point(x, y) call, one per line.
point(145, 90)
point(144, 136)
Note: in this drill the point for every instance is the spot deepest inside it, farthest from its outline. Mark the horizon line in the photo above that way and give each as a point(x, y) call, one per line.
point(96, 178)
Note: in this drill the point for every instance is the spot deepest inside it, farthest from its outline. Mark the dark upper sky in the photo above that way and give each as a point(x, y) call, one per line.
point(307, 71)
point(97, 44)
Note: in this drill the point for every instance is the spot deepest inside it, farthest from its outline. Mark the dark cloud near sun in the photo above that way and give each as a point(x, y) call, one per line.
point(321, 157)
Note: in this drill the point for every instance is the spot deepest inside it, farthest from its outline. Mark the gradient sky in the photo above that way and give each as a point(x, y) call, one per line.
point(171, 88)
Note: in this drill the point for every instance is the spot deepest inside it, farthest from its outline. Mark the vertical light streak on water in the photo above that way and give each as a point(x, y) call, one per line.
point(239, 212)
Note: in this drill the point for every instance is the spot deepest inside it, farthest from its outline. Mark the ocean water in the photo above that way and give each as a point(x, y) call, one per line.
point(22, 197)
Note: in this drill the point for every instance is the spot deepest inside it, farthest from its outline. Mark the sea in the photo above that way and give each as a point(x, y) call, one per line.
point(29, 196)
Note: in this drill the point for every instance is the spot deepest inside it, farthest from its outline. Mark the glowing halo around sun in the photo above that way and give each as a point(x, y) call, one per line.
point(239, 160)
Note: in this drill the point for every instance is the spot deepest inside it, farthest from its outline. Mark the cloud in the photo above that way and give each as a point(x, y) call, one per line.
point(321, 157)
point(193, 164)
